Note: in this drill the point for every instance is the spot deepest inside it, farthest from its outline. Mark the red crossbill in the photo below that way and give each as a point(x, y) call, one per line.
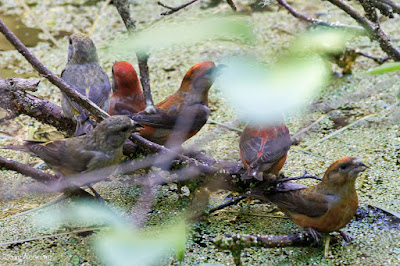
point(99, 148)
point(84, 74)
point(183, 113)
point(264, 150)
point(327, 206)
point(127, 97)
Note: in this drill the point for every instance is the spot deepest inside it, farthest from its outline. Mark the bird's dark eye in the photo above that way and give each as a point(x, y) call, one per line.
point(125, 129)
point(343, 166)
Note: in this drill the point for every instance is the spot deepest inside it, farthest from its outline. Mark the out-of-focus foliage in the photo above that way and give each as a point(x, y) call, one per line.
point(388, 67)
point(121, 244)
point(262, 94)
point(167, 34)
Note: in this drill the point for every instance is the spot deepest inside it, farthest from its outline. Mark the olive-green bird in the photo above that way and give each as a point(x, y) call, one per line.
point(99, 148)
point(84, 74)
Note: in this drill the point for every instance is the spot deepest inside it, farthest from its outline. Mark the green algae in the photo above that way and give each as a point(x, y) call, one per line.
point(375, 140)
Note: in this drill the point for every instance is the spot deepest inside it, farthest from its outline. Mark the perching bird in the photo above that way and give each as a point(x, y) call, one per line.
point(183, 114)
point(99, 148)
point(84, 74)
point(328, 206)
point(127, 97)
point(263, 150)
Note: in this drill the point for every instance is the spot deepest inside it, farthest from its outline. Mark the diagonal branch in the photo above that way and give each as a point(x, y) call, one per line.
point(317, 22)
point(374, 30)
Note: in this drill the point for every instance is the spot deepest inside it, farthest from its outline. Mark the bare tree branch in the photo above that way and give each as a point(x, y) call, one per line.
point(374, 30)
point(24, 169)
point(18, 102)
point(319, 22)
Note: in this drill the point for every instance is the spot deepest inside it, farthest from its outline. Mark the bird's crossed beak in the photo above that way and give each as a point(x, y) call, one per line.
point(136, 127)
point(359, 167)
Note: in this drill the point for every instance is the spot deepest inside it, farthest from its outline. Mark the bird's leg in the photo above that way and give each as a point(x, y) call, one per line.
point(97, 195)
point(348, 238)
point(327, 240)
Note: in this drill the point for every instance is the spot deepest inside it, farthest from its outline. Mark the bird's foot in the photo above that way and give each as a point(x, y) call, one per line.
point(317, 236)
point(150, 109)
point(348, 238)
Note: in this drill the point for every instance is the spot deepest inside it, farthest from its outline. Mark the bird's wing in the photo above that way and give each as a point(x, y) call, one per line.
point(160, 119)
point(273, 150)
point(89, 80)
point(250, 147)
point(302, 201)
point(57, 155)
point(264, 151)
point(99, 90)
point(195, 116)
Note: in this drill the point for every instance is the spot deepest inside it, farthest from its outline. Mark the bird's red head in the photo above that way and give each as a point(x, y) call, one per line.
point(200, 77)
point(125, 78)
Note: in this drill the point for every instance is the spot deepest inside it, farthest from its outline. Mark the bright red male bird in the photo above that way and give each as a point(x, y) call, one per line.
point(183, 114)
point(263, 150)
point(127, 97)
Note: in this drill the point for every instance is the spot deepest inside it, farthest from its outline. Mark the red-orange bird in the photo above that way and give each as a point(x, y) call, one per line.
point(264, 150)
point(127, 97)
point(327, 206)
point(183, 113)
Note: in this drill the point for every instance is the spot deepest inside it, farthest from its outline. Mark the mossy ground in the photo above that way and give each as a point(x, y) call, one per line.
point(376, 140)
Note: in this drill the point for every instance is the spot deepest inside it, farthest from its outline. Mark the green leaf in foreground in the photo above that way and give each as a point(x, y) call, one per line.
point(189, 32)
point(124, 246)
point(261, 95)
point(388, 67)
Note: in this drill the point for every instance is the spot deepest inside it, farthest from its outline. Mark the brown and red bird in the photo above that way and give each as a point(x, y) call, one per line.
point(183, 114)
point(327, 206)
point(263, 150)
point(127, 97)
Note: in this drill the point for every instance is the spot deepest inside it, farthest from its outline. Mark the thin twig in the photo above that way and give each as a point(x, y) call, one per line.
point(174, 9)
point(50, 236)
point(379, 60)
point(298, 136)
point(303, 176)
point(319, 22)
point(227, 204)
point(101, 11)
point(210, 121)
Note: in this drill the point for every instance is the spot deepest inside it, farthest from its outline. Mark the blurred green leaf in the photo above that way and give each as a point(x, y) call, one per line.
point(261, 95)
point(84, 213)
point(388, 67)
point(124, 246)
point(321, 41)
point(187, 33)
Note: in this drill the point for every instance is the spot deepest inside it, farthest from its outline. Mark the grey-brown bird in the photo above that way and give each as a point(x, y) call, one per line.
point(84, 74)
point(99, 148)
